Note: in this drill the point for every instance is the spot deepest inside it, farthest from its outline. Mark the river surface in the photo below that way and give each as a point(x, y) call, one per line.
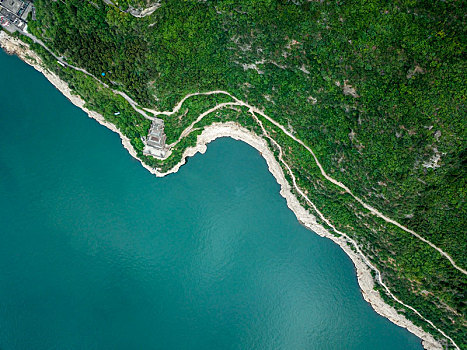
point(97, 253)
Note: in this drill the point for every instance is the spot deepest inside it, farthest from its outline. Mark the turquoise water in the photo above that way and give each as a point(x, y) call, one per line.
point(96, 253)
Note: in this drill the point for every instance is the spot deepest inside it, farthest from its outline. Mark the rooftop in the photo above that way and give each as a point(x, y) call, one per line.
point(14, 13)
point(12, 5)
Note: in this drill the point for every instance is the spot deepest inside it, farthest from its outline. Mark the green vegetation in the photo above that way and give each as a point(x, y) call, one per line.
point(376, 88)
point(192, 108)
point(135, 3)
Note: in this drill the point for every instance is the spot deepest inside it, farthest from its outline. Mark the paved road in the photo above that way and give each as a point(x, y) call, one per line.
point(256, 110)
point(65, 63)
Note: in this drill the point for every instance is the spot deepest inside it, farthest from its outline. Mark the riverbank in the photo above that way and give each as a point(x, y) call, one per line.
point(237, 132)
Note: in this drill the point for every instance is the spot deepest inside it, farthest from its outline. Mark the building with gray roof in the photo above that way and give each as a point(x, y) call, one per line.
point(155, 142)
point(14, 14)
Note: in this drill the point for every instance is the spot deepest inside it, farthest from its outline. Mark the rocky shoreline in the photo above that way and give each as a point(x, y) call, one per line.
point(210, 133)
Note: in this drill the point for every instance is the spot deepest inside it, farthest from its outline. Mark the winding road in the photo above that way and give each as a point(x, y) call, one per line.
point(133, 104)
point(255, 112)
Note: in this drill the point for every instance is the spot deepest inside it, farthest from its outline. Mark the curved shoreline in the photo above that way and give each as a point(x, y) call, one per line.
point(237, 132)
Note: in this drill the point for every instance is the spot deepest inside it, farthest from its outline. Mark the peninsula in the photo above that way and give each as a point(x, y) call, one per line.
point(358, 111)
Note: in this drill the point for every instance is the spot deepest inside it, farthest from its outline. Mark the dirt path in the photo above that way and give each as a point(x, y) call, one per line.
point(253, 110)
point(76, 100)
point(350, 240)
point(188, 130)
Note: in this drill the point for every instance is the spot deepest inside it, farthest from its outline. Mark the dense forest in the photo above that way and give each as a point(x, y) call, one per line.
point(376, 88)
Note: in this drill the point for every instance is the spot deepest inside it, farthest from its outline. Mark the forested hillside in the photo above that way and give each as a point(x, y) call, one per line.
point(376, 88)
